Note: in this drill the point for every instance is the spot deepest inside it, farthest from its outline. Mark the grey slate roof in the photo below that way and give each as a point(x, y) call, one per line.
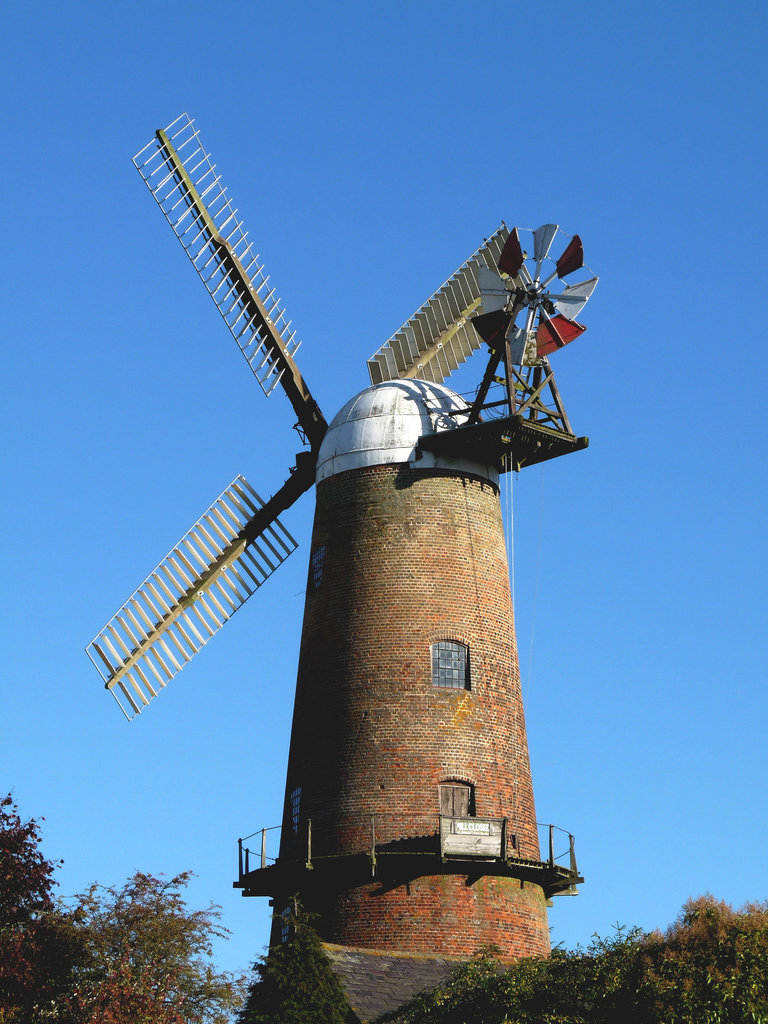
point(379, 982)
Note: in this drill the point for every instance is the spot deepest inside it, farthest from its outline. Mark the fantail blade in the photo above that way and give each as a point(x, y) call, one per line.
point(493, 292)
point(511, 258)
point(542, 239)
point(572, 258)
point(555, 332)
point(492, 326)
point(573, 298)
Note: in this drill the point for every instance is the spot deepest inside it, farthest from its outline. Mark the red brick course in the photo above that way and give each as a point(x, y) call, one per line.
point(445, 915)
point(412, 557)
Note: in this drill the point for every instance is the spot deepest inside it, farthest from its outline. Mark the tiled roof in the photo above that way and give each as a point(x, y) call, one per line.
point(379, 982)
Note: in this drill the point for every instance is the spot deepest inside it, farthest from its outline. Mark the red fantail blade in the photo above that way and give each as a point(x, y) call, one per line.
point(511, 258)
point(572, 258)
point(555, 332)
point(492, 326)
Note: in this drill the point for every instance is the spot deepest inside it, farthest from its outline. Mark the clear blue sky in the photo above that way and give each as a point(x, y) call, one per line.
point(371, 147)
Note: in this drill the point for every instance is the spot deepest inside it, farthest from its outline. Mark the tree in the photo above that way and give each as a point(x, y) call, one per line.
point(134, 955)
point(711, 964)
point(295, 983)
point(38, 945)
point(148, 957)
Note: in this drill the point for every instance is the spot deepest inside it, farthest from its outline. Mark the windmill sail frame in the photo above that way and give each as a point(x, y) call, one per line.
point(187, 598)
point(183, 180)
point(439, 336)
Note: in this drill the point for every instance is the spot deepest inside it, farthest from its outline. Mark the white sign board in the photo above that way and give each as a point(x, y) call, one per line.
point(472, 837)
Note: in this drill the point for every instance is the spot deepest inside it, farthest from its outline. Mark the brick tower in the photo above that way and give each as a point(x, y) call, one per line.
point(409, 822)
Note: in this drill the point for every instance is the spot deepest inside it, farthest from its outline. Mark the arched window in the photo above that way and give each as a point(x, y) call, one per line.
point(450, 665)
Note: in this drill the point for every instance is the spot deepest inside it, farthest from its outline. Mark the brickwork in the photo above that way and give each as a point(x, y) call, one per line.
point(411, 557)
point(445, 915)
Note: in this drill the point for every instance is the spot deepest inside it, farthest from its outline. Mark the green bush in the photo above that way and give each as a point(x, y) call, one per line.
point(709, 967)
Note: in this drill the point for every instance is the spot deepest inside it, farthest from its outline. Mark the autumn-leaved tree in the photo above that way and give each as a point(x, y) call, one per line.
point(39, 947)
point(133, 955)
point(148, 957)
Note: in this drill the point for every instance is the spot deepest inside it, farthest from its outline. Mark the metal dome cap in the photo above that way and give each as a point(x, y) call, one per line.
point(383, 424)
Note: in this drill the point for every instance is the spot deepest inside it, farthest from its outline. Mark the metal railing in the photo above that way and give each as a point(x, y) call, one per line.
point(570, 853)
point(372, 834)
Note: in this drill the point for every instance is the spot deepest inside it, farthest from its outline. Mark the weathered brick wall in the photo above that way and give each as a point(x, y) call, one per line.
point(444, 914)
point(412, 557)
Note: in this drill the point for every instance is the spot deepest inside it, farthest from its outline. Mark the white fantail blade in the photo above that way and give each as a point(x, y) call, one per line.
point(493, 292)
point(542, 240)
point(195, 589)
point(574, 297)
point(439, 336)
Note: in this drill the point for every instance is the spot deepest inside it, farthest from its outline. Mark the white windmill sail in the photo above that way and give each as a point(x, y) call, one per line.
point(195, 589)
point(439, 336)
point(184, 182)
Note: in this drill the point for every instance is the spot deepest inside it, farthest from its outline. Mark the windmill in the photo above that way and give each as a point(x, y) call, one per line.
point(510, 297)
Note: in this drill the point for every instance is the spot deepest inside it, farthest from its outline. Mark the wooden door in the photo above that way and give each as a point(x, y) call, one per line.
point(455, 799)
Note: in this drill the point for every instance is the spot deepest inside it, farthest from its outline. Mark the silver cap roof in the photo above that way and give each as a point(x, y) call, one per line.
point(382, 425)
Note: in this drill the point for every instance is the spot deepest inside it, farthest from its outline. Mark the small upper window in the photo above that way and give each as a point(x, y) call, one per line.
point(450, 665)
point(316, 562)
